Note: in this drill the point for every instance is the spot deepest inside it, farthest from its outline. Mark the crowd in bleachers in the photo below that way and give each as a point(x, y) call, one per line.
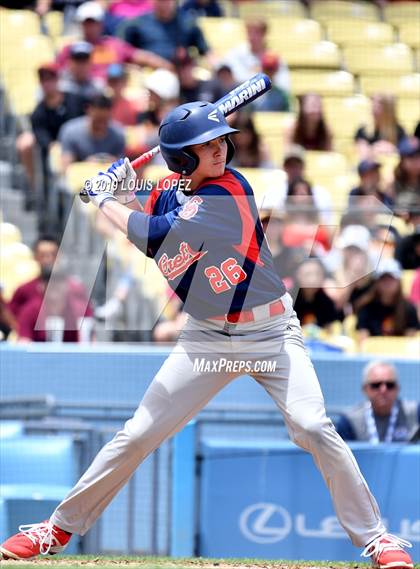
point(332, 151)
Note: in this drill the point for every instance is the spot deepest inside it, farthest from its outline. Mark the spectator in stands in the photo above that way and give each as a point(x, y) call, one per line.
point(417, 131)
point(201, 8)
point(250, 150)
point(77, 77)
point(54, 109)
point(246, 59)
point(310, 129)
point(384, 417)
point(385, 135)
point(369, 187)
point(384, 240)
point(163, 90)
point(124, 111)
point(172, 320)
point(192, 88)
point(286, 259)
point(276, 99)
point(106, 49)
point(408, 248)
point(350, 265)
point(93, 137)
point(300, 203)
point(294, 167)
point(385, 311)
point(406, 185)
point(312, 304)
point(120, 10)
point(27, 299)
point(164, 30)
point(415, 292)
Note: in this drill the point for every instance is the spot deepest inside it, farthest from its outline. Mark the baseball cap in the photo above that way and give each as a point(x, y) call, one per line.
point(294, 152)
point(50, 68)
point(270, 61)
point(366, 166)
point(164, 84)
point(388, 267)
point(409, 147)
point(116, 71)
point(354, 236)
point(80, 50)
point(90, 11)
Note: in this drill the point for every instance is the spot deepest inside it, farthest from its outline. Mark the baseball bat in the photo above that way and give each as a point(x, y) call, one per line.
point(242, 95)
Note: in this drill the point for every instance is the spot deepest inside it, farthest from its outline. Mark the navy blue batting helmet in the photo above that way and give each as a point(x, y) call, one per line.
point(192, 123)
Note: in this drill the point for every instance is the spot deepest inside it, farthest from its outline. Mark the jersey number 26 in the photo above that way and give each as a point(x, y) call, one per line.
point(229, 273)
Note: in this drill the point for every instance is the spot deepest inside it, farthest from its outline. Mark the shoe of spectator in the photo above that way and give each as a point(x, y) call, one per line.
point(35, 539)
point(387, 552)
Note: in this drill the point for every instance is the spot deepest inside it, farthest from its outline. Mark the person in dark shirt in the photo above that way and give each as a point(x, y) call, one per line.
point(164, 30)
point(193, 88)
point(78, 78)
point(369, 186)
point(386, 312)
point(312, 304)
point(383, 417)
point(408, 248)
point(386, 135)
point(197, 8)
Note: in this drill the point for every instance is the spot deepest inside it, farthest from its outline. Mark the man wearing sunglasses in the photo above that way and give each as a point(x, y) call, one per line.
point(383, 417)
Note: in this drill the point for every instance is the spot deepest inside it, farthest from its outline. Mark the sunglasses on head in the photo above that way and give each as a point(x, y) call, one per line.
point(377, 384)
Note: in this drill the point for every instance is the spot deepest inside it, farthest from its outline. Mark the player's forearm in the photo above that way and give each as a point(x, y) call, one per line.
point(118, 214)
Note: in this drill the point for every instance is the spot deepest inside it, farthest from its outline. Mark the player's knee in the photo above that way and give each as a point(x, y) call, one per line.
point(310, 429)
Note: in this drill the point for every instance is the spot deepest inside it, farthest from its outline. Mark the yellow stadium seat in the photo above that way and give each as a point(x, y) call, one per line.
point(408, 112)
point(339, 191)
point(9, 233)
point(32, 52)
point(342, 9)
point(296, 30)
point(417, 59)
point(78, 172)
point(61, 41)
point(409, 33)
point(155, 172)
point(17, 24)
point(323, 54)
point(54, 23)
point(262, 180)
point(275, 145)
point(398, 85)
point(20, 273)
point(268, 8)
point(402, 12)
point(323, 167)
point(407, 281)
point(345, 114)
point(222, 34)
point(391, 346)
point(326, 83)
point(394, 59)
point(359, 32)
point(274, 123)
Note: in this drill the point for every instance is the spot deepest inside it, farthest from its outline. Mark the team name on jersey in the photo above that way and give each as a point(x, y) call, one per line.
point(172, 267)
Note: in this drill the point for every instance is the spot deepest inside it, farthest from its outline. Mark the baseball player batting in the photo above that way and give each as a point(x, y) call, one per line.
point(208, 242)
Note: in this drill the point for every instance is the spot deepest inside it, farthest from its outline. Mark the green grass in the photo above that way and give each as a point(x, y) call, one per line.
point(109, 562)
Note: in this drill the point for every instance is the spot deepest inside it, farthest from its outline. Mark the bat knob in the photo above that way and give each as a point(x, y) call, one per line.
point(84, 197)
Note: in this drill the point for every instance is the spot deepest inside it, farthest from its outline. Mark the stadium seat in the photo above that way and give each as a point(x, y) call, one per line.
point(325, 83)
point(398, 85)
point(394, 59)
point(402, 12)
point(339, 192)
point(155, 172)
point(293, 31)
point(268, 8)
point(54, 23)
point(408, 112)
point(345, 114)
point(18, 24)
point(9, 233)
point(223, 34)
point(359, 32)
point(392, 346)
point(262, 180)
point(318, 55)
point(407, 281)
point(78, 172)
point(272, 123)
point(323, 167)
point(409, 33)
point(342, 9)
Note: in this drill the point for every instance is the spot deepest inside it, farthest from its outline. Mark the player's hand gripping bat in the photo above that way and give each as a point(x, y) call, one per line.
point(233, 101)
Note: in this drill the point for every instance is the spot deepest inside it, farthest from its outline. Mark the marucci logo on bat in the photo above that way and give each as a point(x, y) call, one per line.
point(242, 96)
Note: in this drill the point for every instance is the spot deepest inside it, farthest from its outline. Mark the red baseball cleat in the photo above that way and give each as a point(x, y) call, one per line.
point(35, 539)
point(387, 553)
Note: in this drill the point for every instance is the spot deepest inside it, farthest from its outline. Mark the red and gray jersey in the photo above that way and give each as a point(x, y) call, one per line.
point(210, 247)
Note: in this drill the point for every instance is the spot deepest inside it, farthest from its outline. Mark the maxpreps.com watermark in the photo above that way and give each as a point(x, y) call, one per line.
point(139, 185)
point(223, 365)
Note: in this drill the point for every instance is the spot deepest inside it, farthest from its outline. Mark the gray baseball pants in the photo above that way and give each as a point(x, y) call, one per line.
point(178, 392)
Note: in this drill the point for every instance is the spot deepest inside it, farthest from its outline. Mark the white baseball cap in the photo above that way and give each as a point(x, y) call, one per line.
point(164, 83)
point(90, 11)
point(354, 236)
point(388, 266)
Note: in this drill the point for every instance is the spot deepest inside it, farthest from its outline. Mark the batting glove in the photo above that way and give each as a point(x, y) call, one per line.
point(125, 178)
